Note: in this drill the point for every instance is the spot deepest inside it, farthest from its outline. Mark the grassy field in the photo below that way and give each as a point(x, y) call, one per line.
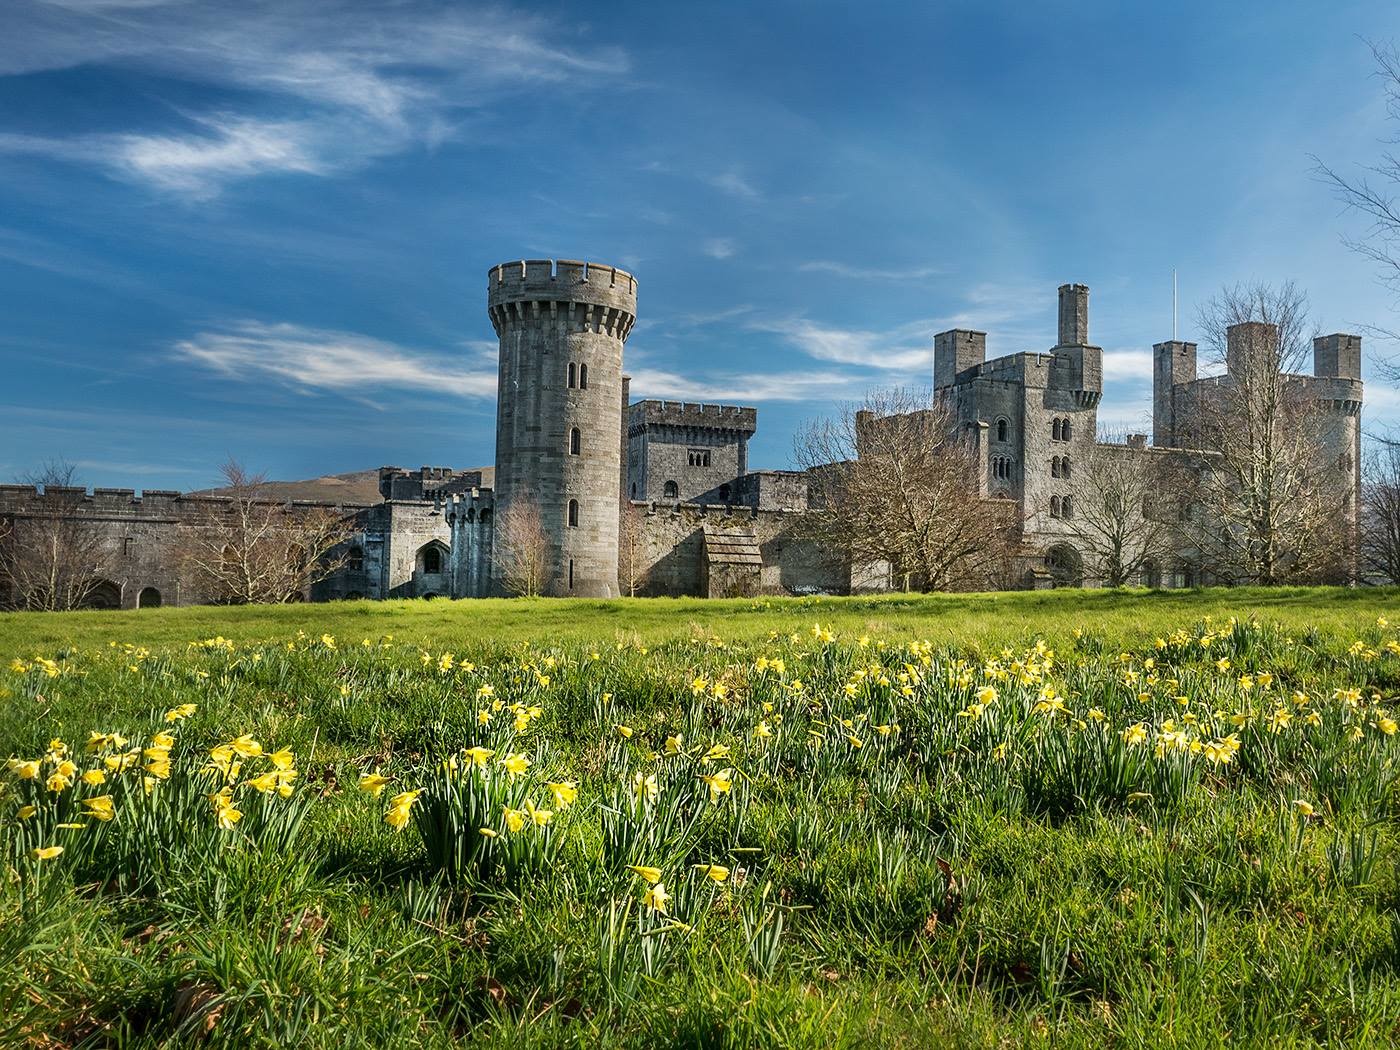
point(1072, 818)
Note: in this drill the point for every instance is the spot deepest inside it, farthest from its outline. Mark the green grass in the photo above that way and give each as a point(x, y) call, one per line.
point(959, 618)
point(1017, 873)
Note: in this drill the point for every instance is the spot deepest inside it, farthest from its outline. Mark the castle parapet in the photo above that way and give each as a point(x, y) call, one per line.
point(591, 294)
point(742, 419)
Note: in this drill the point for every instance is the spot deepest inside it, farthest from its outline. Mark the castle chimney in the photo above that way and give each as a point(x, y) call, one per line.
point(1074, 315)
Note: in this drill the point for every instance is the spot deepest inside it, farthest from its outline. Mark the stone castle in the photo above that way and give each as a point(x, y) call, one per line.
point(657, 497)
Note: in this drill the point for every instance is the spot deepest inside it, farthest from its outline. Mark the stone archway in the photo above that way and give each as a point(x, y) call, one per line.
point(1065, 566)
point(149, 598)
point(104, 595)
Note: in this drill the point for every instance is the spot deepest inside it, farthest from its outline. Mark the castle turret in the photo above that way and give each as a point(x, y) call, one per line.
point(558, 456)
point(1074, 315)
point(956, 351)
point(1337, 356)
point(1173, 365)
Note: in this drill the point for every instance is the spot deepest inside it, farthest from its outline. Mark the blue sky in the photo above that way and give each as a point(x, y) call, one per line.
point(262, 229)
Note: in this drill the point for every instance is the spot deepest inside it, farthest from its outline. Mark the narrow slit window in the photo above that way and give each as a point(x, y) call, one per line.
point(573, 513)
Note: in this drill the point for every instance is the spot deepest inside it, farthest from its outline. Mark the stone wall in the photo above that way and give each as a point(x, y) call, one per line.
point(145, 536)
point(674, 550)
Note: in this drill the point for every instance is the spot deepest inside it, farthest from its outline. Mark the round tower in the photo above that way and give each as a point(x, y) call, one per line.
point(558, 418)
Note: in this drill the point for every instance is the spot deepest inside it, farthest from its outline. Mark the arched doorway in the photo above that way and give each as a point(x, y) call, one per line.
point(104, 595)
point(149, 598)
point(1065, 566)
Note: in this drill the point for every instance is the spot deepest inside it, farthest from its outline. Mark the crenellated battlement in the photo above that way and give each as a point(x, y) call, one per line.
point(742, 418)
point(127, 504)
point(581, 295)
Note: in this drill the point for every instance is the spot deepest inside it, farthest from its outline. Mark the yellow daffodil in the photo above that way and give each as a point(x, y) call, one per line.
point(646, 787)
point(656, 898)
point(47, 852)
point(515, 819)
point(100, 806)
point(713, 872)
point(652, 875)
point(718, 783)
point(564, 792)
point(515, 763)
point(25, 769)
point(624, 731)
point(1305, 809)
point(478, 755)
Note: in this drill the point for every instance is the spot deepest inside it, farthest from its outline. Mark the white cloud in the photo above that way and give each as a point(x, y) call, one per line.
point(321, 359)
point(719, 248)
point(1127, 365)
point(870, 273)
point(908, 348)
point(746, 387)
point(359, 85)
point(734, 184)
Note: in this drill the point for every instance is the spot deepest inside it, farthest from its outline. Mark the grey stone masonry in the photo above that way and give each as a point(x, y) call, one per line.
point(681, 451)
point(559, 413)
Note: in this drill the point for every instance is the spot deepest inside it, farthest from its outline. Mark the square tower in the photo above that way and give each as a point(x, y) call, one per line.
point(1173, 364)
point(1337, 356)
point(954, 352)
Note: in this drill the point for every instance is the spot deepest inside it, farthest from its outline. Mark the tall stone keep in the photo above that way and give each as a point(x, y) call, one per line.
point(561, 327)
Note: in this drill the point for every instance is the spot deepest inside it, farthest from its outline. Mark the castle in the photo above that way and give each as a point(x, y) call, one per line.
point(657, 497)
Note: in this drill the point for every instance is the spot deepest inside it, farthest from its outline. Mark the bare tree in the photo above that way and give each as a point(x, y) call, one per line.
point(631, 551)
point(51, 558)
point(1374, 192)
point(1122, 526)
point(1269, 507)
point(250, 547)
point(895, 482)
point(1380, 514)
point(523, 548)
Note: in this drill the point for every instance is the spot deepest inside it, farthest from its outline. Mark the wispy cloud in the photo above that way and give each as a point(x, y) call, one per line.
point(870, 273)
point(734, 184)
point(1127, 365)
point(325, 91)
point(719, 247)
point(318, 359)
point(194, 164)
point(744, 387)
point(908, 348)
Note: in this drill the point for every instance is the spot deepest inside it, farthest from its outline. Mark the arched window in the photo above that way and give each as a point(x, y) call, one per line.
point(1066, 508)
point(573, 375)
point(583, 377)
point(432, 560)
point(355, 559)
point(1054, 506)
point(1002, 428)
point(575, 441)
point(1064, 466)
point(1064, 430)
point(573, 513)
point(724, 493)
point(671, 490)
point(1055, 429)
point(634, 490)
point(1054, 466)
